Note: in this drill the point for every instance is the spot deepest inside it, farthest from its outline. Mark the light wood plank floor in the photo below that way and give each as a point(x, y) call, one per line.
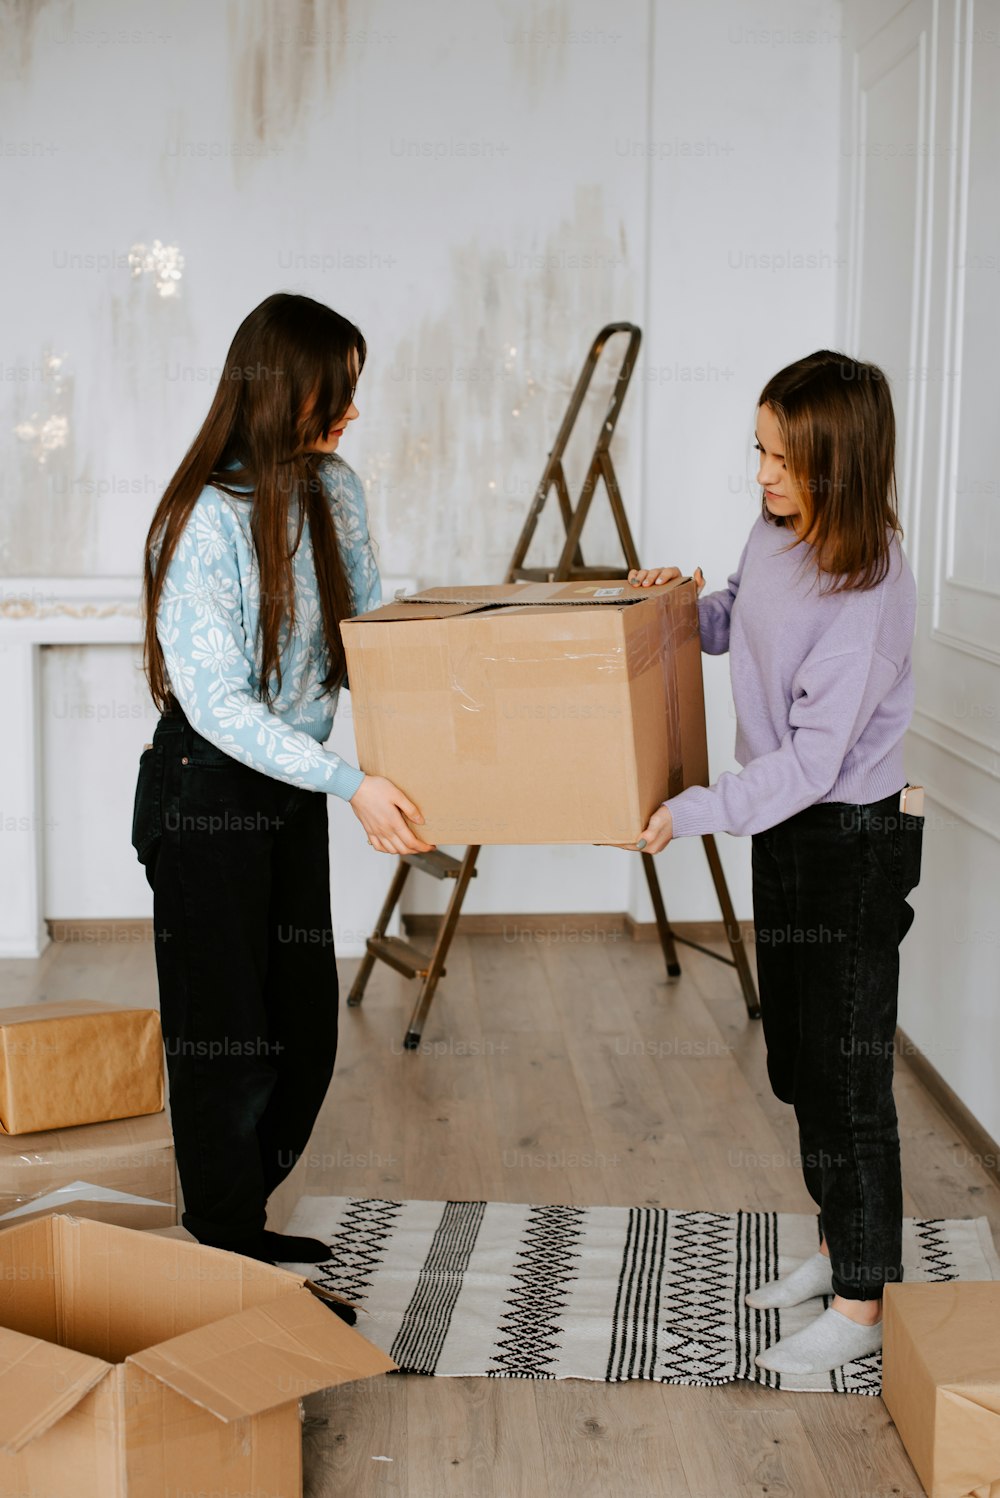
point(646, 1092)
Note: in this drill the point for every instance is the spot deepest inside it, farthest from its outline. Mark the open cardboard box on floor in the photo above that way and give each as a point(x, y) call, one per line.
point(134, 1365)
point(941, 1383)
point(532, 712)
point(78, 1062)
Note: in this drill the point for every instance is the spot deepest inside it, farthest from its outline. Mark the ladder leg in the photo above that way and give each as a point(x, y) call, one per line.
point(447, 929)
point(618, 510)
point(733, 934)
point(364, 972)
point(660, 911)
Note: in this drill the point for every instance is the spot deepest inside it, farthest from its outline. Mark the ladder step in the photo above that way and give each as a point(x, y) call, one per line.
point(548, 574)
point(439, 865)
point(400, 955)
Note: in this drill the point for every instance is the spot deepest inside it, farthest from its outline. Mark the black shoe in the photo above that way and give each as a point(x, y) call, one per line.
point(346, 1313)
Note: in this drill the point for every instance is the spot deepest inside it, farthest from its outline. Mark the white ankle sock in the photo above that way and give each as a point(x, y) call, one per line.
point(814, 1277)
point(830, 1341)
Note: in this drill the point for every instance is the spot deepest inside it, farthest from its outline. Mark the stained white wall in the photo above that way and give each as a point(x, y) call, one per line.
point(921, 295)
point(481, 186)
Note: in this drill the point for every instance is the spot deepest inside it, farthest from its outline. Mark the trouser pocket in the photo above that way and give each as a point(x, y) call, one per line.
point(911, 838)
point(895, 843)
point(147, 811)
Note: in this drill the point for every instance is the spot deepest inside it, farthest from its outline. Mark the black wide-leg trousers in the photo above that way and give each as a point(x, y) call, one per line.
point(239, 867)
point(830, 910)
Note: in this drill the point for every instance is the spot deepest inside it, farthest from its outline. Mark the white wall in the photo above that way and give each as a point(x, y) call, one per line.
point(920, 227)
point(481, 186)
point(742, 277)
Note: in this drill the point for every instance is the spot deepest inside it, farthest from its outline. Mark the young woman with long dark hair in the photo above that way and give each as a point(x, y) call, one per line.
point(256, 552)
point(818, 620)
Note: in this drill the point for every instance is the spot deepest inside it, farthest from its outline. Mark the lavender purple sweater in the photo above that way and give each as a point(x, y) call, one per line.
point(823, 687)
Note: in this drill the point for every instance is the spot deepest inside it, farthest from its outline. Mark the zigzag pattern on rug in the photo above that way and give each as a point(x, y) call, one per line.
point(527, 1338)
point(508, 1290)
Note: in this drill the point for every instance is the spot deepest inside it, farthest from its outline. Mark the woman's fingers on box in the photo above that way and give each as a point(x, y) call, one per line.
point(414, 845)
point(699, 579)
point(412, 841)
point(647, 577)
point(410, 812)
point(397, 837)
point(659, 832)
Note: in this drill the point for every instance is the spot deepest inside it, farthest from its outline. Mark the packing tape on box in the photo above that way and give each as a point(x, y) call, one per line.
point(66, 1198)
point(469, 710)
point(477, 679)
point(661, 634)
point(129, 1157)
point(654, 644)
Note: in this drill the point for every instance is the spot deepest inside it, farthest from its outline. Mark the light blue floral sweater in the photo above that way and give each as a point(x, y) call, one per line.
point(207, 626)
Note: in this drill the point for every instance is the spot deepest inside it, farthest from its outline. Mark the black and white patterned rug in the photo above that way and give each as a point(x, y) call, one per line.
point(494, 1290)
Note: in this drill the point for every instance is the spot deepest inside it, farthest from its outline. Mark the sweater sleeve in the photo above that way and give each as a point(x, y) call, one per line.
point(209, 661)
point(715, 610)
point(834, 696)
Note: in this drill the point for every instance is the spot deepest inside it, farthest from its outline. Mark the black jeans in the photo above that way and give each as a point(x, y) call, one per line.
point(239, 867)
point(830, 909)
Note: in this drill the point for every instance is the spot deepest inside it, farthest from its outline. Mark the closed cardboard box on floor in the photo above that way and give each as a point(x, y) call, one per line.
point(121, 1172)
point(135, 1366)
point(941, 1383)
point(79, 1062)
point(532, 712)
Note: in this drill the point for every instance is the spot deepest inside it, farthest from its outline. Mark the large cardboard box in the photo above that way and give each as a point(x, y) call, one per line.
point(136, 1366)
point(941, 1383)
point(78, 1062)
point(121, 1172)
point(532, 712)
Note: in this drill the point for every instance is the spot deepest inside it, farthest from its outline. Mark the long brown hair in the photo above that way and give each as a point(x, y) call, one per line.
point(836, 420)
point(288, 350)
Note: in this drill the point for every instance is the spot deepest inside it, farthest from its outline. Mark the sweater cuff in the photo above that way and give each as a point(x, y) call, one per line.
point(694, 812)
point(345, 782)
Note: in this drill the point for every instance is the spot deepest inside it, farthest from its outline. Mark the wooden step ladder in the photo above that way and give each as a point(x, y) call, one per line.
point(429, 966)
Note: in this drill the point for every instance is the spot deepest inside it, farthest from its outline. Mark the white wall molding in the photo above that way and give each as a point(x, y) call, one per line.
point(974, 785)
point(910, 33)
point(964, 810)
point(965, 619)
point(948, 467)
point(984, 754)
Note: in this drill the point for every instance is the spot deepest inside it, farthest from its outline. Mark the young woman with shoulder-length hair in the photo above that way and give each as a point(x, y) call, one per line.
point(256, 552)
point(818, 620)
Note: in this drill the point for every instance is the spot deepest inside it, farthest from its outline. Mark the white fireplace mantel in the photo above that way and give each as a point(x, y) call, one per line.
point(37, 612)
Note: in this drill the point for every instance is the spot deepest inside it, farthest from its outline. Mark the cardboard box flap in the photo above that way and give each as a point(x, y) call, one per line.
point(609, 590)
point(441, 603)
point(408, 609)
point(263, 1357)
point(968, 1463)
point(983, 1396)
point(39, 1383)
